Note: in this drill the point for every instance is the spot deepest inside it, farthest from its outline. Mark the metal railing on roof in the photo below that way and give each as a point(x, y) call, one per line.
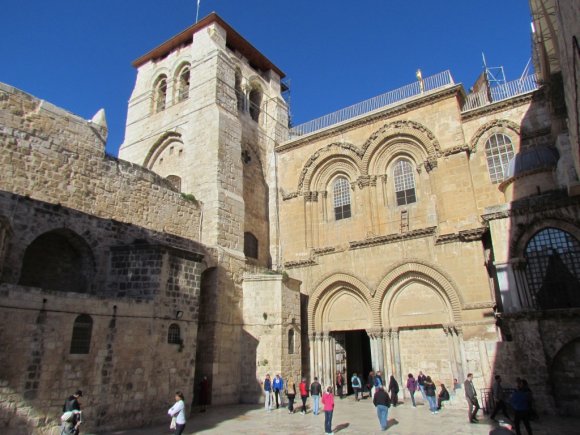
point(399, 95)
point(500, 92)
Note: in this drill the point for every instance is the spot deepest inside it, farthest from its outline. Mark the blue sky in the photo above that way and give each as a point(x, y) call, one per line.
point(77, 54)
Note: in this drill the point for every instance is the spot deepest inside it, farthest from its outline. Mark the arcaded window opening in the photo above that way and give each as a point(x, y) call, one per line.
point(175, 181)
point(553, 269)
point(250, 245)
point(174, 334)
point(81, 335)
point(183, 84)
point(239, 91)
point(58, 260)
point(291, 342)
point(499, 151)
point(341, 198)
point(255, 104)
point(404, 178)
point(160, 94)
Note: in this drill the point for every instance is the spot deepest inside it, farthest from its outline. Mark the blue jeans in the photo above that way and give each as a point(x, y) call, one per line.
point(383, 413)
point(422, 388)
point(327, 421)
point(316, 402)
point(432, 403)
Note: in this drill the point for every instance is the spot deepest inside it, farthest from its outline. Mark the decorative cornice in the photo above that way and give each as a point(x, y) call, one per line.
point(391, 238)
point(369, 119)
point(462, 236)
point(500, 105)
point(366, 180)
point(455, 150)
point(472, 234)
point(447, 238)
point(291, 195)
point(311, 196)
point(549, 201)
point(324, 251)
point(479, 305)
point(299, 263)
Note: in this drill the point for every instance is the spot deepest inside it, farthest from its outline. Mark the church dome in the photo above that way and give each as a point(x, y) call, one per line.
point(530, 159)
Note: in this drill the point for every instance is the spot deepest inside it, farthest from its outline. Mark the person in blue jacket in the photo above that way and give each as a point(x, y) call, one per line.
point(278, 387)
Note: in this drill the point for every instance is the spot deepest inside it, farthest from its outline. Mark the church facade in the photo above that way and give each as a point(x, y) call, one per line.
point(435, 231)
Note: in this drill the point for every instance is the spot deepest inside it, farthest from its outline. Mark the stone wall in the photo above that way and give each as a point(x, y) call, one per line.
point(271, 335)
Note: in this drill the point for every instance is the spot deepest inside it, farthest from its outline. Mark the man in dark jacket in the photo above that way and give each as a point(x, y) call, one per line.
point(73, 406)
point(471, 397)
point(382, 402)
point(315, 392)
point(499, 399)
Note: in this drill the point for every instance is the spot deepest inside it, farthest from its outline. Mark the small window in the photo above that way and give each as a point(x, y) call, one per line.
point(81, 335)
point(498, 152)
point(175, 181)
point(341, 198)
point(255, 103)
point(174, 334)
point(160, 94)
point(250, 246)
point(183, 84)
point(404, 182)
point(291, 342)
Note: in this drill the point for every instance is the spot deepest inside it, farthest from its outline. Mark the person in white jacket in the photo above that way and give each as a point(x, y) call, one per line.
point(177, 412)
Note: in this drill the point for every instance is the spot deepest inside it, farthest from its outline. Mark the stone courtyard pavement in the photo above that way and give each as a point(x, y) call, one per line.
point(350, 417)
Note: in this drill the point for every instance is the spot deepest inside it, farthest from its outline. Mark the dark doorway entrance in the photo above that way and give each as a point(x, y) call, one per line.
point(353, 355)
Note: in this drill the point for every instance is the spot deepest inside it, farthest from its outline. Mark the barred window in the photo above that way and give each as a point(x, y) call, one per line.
point(160, 94)
point(553, 268)
point(183, 83)
point(404, 182)
point(174, 334)
point(498, 152)
point(81, 335)
point(341, 192)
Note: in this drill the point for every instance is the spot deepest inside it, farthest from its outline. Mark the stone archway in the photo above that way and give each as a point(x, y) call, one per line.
point(340, 315)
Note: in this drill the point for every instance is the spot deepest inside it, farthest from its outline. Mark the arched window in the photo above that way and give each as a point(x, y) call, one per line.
point(341, 198)
point(58, 260)
point(498, 152)
point(175, 181)
point(553, 269)
point(238, 89)
point(183, 83)
point(250, 245)
point(255, 103)
point(81, 335)
point(290, 341)
point(160, 94)
point(404, 182)
point(174, 334)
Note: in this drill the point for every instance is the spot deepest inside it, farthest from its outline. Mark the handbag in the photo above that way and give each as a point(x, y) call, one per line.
point(173, 424)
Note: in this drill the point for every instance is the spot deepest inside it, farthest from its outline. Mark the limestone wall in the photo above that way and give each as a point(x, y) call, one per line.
point(53, 156)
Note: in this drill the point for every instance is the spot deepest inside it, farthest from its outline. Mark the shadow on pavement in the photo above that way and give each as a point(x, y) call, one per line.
point(341, 426)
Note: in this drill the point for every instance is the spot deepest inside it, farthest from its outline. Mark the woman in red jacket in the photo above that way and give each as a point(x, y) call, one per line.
point(328, 402)
point(303, 386)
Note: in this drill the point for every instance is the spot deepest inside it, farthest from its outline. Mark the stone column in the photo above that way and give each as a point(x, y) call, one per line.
point(373, 349)
point(396, 352)
point(461, 362)
point(388, 355)
point(308, 218)
point(312, 344)
point(319, 355)
point(449, 332)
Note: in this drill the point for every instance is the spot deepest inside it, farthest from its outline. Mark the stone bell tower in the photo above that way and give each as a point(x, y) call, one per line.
point(206, 113)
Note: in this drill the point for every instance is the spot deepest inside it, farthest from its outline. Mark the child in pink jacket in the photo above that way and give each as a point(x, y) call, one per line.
point(328, 402)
